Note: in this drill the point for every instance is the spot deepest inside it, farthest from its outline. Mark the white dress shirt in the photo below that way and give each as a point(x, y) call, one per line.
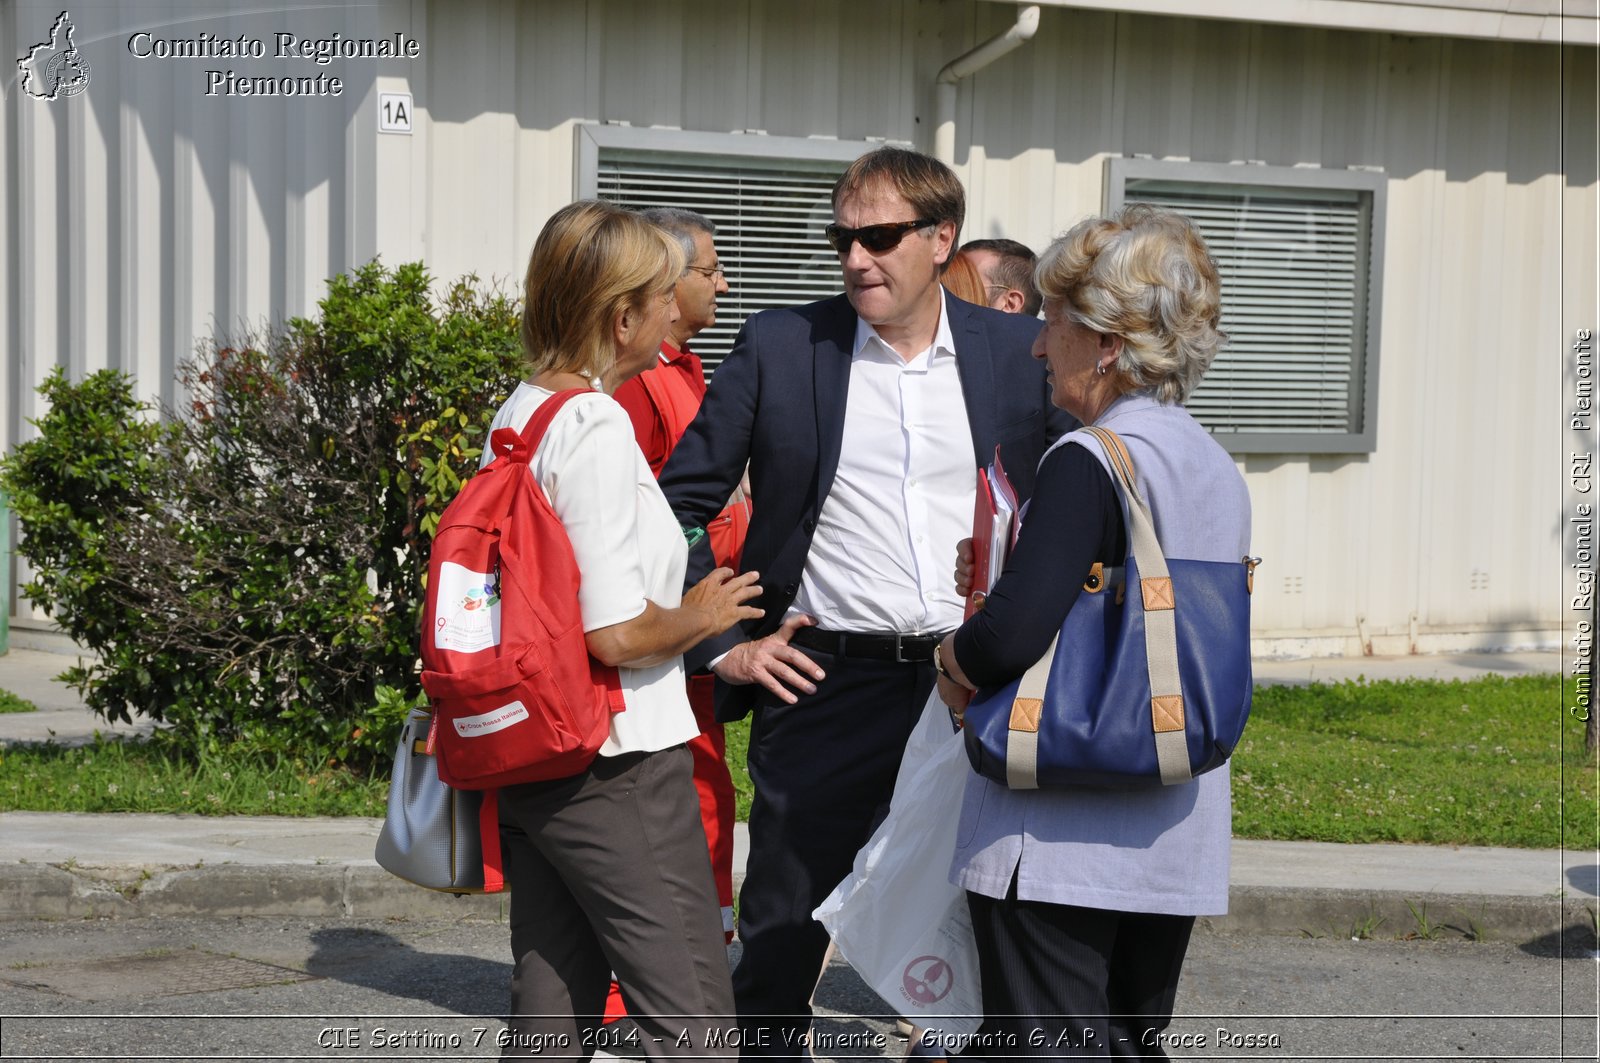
point(883, 557)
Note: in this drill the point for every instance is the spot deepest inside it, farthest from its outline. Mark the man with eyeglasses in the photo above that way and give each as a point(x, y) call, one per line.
point(703, 281)
point(661, 402)
point(1006, 267)
point(864, 419)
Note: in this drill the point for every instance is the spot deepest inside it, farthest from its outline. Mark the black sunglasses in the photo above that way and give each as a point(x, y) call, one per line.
point(875, 238)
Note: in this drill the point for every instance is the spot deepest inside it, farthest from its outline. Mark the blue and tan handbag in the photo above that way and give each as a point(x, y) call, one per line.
point(1148, 682)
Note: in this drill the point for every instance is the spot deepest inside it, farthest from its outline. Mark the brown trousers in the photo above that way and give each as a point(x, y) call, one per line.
point(608, 872)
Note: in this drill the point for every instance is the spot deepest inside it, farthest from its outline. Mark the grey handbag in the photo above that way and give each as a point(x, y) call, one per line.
point(431, 832)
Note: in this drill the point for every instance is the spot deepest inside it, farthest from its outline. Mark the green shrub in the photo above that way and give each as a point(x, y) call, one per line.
point(249, 567)
point(10, 702)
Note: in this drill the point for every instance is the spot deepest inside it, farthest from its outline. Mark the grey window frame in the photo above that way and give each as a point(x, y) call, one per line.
point(732, 149)
point(1365, 362)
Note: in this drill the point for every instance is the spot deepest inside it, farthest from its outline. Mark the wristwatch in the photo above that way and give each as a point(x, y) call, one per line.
point(938, 662)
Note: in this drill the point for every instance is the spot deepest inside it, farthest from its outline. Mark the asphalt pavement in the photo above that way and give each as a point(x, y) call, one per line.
point(289, 989)
point(74, 866)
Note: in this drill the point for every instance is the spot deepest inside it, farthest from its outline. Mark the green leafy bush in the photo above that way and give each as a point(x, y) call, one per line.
point(249, 568)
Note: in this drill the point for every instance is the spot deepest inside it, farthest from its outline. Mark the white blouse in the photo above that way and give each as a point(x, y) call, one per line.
point(628, 546)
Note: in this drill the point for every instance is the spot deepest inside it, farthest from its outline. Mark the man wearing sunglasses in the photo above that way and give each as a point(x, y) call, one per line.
point(864, 419)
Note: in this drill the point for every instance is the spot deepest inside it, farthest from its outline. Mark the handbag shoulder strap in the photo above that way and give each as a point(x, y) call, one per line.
point(1160, 604)
point(1142, 541)
point(1161, 645)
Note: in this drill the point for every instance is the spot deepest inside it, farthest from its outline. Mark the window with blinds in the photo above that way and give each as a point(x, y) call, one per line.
point(1300, 286)
point(769, 215)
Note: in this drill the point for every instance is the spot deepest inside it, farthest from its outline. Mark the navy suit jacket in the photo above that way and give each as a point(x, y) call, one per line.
point(778, 402)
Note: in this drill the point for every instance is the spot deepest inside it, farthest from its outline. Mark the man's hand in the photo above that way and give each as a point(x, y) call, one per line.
point(964, 557)
point(772, 662)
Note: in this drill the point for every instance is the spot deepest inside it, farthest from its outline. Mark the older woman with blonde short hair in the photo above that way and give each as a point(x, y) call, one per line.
point(608, 868)
point(1082, 900)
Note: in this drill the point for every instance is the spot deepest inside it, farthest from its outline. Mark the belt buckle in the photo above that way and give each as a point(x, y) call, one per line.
point(899, 649)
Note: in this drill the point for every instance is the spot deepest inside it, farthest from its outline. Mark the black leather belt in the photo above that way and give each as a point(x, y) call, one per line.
point(872, 647)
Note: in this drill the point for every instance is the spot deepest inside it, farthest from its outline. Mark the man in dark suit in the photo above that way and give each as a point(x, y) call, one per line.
point(864, 420)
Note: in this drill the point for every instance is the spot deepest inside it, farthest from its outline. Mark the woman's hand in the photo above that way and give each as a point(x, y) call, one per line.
point(964, 568)
point(709, 608)
point(956, 697)
point(722, 596)
point(955, 690)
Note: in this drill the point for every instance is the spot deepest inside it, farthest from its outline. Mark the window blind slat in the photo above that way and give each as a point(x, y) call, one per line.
point(1292, 264)
point(769, 220)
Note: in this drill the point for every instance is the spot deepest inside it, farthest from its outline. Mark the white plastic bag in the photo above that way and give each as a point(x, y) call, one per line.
point(896, 918)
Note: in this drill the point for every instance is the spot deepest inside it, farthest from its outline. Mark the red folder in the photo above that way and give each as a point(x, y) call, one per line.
point(994, 531)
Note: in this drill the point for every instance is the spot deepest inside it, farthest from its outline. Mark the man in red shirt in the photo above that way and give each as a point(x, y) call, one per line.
point(697, 293)
point(662, 401)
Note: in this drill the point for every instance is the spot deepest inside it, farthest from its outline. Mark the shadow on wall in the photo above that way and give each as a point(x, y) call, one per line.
point(1089, 83)
point(245, 204)
point(1214, 91)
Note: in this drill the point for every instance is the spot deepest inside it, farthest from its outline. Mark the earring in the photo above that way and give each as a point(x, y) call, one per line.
point(1101, 369)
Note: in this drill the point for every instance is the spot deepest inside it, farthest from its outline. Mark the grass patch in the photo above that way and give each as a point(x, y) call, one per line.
point(738, 736)
point(10, 702)
point(1485, 762)
point(114, 775)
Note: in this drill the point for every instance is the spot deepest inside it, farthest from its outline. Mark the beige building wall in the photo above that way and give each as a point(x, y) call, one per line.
point(142, 216)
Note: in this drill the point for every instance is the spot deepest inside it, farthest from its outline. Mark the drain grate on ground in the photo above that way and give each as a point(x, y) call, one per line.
point(168, 973)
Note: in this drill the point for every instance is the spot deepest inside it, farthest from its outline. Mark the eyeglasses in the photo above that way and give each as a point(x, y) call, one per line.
point(711, 272)
point(875, 238)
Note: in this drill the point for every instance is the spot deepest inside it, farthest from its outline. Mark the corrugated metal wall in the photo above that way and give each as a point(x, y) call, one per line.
point(141, 215)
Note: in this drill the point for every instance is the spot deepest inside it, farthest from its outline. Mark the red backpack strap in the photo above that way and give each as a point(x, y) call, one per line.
point(519, 446)
point(494, 877)
point(536, 427)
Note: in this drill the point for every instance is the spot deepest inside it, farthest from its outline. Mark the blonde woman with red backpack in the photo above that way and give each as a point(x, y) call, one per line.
point(608, 867)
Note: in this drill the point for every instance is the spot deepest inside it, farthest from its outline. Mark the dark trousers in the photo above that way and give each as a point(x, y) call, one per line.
point(1061, 982)
point(823, 771)
point(608, 872)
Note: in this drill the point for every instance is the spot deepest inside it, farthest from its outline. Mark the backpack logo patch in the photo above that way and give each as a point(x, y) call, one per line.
point(489, 722)
point(469, 614)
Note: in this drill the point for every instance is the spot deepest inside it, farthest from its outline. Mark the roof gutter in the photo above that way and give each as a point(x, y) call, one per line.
point(945, 91)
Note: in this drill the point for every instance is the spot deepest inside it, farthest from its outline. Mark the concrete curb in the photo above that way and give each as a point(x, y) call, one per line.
point(1343, 913)
point(52, 892)
point(355, 891)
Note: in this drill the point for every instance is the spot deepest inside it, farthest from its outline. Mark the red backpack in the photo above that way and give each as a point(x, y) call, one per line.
point(516, 695)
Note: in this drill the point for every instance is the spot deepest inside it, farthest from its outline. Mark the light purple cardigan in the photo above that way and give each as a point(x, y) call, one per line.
point(1162, 850)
